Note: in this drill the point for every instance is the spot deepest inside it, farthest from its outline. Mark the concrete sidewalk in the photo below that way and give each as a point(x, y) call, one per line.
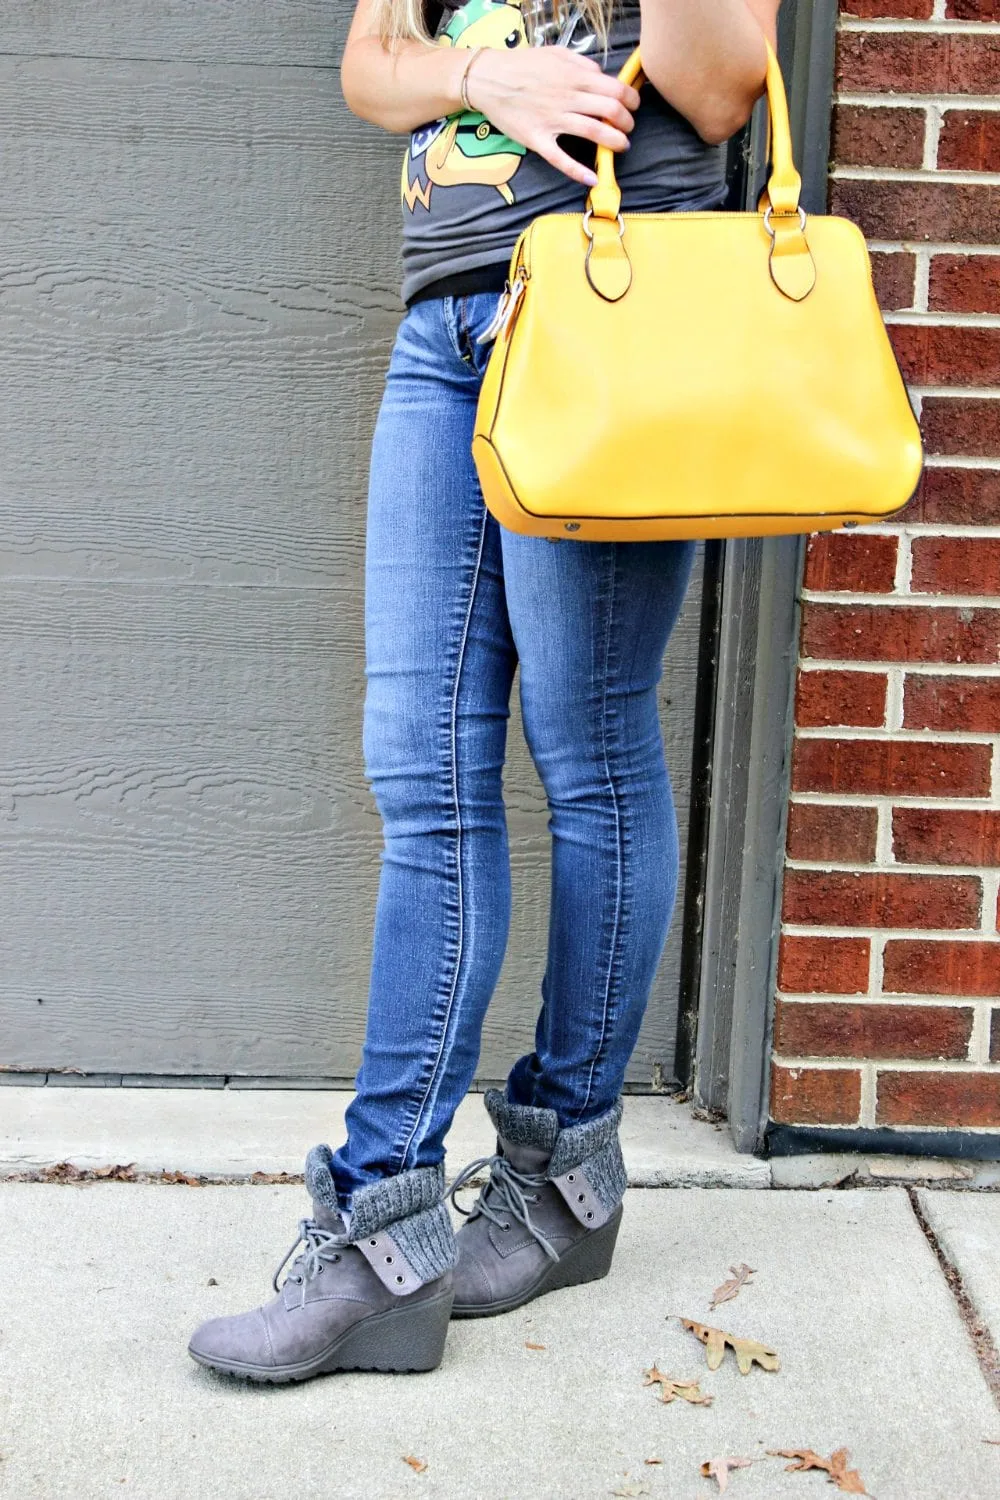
point(102, 1283)
point(235, 1132)
point(881, 1301)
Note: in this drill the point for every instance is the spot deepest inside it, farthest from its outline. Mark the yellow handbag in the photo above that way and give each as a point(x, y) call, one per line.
point(701, 374)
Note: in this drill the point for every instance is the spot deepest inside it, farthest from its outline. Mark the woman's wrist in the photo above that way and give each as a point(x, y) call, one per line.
point(467, 103)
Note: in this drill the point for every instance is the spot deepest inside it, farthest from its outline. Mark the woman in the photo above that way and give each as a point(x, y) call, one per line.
point(517, 100)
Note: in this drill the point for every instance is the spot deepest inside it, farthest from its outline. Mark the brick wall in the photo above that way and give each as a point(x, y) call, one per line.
point(888, 1006)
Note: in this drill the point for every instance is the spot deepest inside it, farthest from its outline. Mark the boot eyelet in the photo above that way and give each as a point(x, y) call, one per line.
point(399, 1280)
point(388, 1260)
point(373, 1243)
point(320, 1272)
point(298, 1279)
point(504, 1226)
point(590, 1215)
point(571, 1177)
point(581, 1197)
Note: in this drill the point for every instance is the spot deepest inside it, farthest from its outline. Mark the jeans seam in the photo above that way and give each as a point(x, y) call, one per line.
point(449, 307)
point(453, 727)
point(619, 874)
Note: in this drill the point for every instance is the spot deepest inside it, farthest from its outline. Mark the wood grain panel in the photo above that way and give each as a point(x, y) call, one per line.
point(198, 292)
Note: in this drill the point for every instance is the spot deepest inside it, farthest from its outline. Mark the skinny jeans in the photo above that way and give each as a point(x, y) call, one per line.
point(453, 603)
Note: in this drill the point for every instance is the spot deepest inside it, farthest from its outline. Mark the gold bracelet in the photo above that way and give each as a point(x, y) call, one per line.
point(464, 87)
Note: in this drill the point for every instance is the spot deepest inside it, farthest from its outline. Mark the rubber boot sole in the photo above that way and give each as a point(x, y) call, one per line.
point(588, 1260)
point(399, 1340)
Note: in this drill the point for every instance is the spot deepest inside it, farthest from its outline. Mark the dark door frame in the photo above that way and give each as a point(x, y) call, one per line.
point(749, 655)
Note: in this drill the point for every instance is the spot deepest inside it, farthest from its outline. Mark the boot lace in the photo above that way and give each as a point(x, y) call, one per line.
point(322, 1246)
point(506, 1196)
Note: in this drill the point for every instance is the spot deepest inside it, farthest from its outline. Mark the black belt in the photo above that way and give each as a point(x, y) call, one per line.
point(465, 283)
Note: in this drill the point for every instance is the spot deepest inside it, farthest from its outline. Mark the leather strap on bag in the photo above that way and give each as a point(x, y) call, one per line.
point(791, 264)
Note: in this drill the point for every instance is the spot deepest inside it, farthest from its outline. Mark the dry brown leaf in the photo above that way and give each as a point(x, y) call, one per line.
point(848, 1481)
point(418, 1464)
point(118, 1172)
point(652, 1460)
point(729, 1289)
point(718, 1469)
point(994, 1442)
point(746, 1350)
point(529, 1345)
point(670, 1388)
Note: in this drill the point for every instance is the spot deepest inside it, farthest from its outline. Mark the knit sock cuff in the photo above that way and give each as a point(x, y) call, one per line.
point(408, 1206)
point(579, 1142)
point(522, 1124)
point(594, 1145)
point(427, 1240)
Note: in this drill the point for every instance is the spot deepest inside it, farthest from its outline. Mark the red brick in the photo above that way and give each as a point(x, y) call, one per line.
point(823, 965)
point(962, 211)
point(964, 283)
point(929, 354)
point(804, 1028)
point(914, 966)
point(815, 1096)
point(995, 1036)
point(902, 10)
point(969, 141)
point(873, 632)
point(904, 768)
point(958, 425)
point(946, 1099)
point(860, 564)
point(893, 273)
point(972, 10)
point(956, 497)
point(947, 836)
point(839, 898)
point(957, 703)
point(915, 62)
point(877, 137)
point(824, 831)
point(956, 565)
point(850, 698)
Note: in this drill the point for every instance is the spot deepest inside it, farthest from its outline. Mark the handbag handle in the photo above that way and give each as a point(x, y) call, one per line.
point(783, 185)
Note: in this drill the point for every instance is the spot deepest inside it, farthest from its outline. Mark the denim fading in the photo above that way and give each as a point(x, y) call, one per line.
point(453, 601)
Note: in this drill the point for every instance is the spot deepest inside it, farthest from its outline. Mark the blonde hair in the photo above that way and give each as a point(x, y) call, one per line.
point(404, 20)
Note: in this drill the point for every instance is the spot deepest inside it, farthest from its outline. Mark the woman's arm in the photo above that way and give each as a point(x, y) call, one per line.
point(532, 94)
point(708, 60)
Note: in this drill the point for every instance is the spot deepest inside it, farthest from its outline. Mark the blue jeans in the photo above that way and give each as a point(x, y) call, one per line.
point(453, 601)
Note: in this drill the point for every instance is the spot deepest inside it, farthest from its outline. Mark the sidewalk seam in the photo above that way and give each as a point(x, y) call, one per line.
point(983, 1345)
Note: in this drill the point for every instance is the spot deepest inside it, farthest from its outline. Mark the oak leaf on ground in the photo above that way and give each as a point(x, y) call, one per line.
point(670, 1388)
point(729, 1289)
point(417, 1464)
point(746, 1350)
point(848, 1481)
point(718, 1469)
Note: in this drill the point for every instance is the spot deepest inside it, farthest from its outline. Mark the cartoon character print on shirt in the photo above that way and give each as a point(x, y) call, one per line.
point(465, 147)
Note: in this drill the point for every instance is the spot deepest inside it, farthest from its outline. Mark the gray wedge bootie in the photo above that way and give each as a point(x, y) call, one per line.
point(374, 1296)
point(549, 1214)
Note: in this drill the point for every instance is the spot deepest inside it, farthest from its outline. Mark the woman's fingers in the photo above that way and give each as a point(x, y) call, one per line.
point(598, 131)
point(603, 108)
point(557, 157)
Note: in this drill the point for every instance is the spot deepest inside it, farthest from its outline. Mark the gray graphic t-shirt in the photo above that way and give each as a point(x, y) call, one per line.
point(468, 190)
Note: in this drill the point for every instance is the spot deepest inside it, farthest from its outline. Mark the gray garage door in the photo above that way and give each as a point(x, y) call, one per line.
point(198, 283)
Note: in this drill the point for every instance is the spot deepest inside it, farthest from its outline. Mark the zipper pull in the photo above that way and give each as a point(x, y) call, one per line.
point(506, 308)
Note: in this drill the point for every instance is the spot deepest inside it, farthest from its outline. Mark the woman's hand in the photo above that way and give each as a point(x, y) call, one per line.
point(534, 94)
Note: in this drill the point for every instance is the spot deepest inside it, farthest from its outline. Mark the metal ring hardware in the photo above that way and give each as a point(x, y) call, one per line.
point(767, 218)
point(588, 214)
